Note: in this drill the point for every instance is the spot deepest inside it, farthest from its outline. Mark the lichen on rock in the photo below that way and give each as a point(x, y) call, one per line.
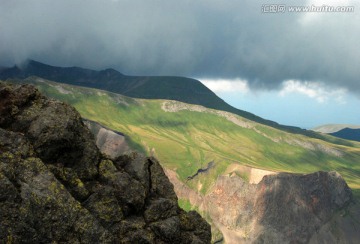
point(57, 187)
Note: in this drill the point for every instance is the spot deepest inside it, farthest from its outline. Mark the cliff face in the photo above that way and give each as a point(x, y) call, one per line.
point(112, 143)
point(296, 206)
point(280, 208)
point(57, 186)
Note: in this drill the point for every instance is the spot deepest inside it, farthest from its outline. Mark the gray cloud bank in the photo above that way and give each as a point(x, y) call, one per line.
point(202, 38)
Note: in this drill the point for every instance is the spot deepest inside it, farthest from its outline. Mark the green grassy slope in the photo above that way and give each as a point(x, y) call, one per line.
point(190, 137)
point(149, 87)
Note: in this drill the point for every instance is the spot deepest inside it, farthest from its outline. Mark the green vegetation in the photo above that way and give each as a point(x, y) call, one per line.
point(186, 140)
point(185, 204)
point(148, 87)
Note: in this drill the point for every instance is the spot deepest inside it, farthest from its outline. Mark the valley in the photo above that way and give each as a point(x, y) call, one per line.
point(186, 138)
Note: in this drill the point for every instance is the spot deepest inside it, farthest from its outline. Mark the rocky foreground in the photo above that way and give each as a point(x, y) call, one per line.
point(55, 185)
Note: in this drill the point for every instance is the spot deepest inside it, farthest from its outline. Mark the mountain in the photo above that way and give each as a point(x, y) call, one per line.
point(331, 128)
point(343, 131)
point(149, 87)
point(204, 151)
point(348, 134)
point(56, 187)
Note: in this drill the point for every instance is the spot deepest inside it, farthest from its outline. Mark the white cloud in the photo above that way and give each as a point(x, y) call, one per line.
point(223, 85)
point(315, 90)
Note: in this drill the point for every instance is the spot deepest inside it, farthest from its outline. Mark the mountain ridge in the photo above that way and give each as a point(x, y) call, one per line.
point(348, 134)
point(343, 131)
point(148, 87)
point(331, 128)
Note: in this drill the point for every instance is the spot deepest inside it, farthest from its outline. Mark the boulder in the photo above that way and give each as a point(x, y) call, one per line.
point(55, 185)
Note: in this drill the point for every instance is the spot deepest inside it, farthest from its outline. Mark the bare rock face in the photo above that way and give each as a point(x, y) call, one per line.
point(295, 207)
point(110, 142)
point(281, 208)
point(55, 186)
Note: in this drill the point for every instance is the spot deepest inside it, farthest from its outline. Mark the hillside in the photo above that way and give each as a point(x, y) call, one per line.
point(199, 135)
point(197, 146)
point(150, 87)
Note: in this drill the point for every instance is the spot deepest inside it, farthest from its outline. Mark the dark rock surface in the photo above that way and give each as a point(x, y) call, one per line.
point(55, 185)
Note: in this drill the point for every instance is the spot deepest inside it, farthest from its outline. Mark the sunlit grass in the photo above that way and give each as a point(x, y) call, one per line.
point(186, 141)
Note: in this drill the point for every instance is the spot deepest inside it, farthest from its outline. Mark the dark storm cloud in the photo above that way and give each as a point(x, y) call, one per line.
point(202, 38)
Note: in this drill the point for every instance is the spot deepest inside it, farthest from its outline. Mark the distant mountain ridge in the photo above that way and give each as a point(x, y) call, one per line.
point(148, 87)
point(343, 131)
point(332, 128)
point(348, 134)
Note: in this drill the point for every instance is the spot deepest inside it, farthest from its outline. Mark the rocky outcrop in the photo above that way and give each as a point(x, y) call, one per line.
point(294, 207)
point(110, 142)
point(57, 187)
point(280, 208)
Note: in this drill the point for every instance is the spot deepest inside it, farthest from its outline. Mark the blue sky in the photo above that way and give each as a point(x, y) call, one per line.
point(303, 104)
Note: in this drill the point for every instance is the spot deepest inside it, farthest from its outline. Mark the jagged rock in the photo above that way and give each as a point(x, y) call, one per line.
point(54, 128)
point(55, 185)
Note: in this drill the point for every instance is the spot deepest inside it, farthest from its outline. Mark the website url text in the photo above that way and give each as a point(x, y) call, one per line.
point(282, 8)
